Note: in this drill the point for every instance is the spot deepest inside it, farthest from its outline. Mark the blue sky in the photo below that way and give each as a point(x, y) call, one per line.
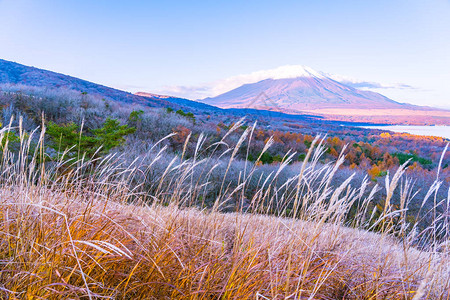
point(160, 46)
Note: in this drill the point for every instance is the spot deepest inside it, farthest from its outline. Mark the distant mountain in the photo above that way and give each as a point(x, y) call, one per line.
point(181, 101)
point(311, 90)
point(312, 97)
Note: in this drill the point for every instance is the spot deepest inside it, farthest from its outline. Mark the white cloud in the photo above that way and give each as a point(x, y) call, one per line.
point(212, 89)
point(363, 84)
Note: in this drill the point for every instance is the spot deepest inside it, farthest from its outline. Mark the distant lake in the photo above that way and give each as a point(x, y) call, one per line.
point(441, 131)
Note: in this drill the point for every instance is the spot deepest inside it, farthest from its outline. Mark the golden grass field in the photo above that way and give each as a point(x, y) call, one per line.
point(85, 233)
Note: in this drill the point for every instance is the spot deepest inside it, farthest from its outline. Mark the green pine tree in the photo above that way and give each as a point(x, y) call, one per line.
point(70, 137)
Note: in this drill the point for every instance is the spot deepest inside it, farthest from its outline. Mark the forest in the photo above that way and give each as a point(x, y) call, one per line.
point(79, 124)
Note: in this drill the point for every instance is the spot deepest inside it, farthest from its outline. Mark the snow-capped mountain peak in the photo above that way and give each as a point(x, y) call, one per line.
point(298, 88)
point(290, 71)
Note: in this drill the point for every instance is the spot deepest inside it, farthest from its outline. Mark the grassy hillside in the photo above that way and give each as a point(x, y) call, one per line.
point(92, 229)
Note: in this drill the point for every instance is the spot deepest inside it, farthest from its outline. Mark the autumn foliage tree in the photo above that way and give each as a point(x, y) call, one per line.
point(181, 134)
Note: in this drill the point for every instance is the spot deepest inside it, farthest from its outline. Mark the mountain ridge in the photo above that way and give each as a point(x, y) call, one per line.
point(19, 74)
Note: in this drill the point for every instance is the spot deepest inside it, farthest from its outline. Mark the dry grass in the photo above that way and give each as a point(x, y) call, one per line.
point(85, 232)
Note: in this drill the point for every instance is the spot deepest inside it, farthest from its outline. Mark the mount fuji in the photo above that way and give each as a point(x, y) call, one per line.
point(302, 89)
